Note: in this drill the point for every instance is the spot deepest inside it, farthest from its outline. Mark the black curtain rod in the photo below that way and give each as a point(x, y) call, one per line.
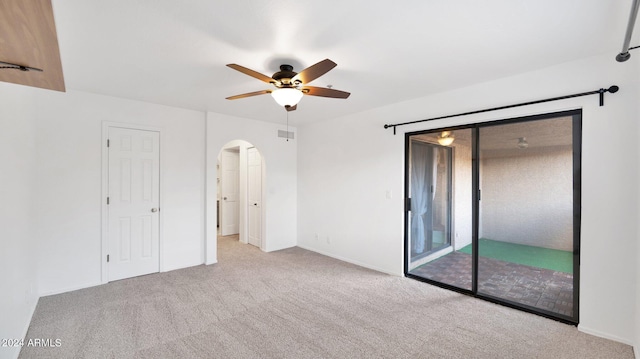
point(601, 92)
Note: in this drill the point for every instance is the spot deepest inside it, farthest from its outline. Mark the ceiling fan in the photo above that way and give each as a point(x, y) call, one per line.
point(291, 85)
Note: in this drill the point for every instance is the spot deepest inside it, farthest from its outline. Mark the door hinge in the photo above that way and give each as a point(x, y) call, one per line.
point(479, 194)
point(108, 142)
point(107, 258)
point(107, 200)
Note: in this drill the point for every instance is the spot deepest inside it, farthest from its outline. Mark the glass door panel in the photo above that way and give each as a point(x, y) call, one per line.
point(526, 212)
point(435, 198)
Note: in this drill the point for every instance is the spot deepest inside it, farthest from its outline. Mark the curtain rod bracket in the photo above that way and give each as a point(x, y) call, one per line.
point(602, 91)
point(612, 89)
point(394, 128)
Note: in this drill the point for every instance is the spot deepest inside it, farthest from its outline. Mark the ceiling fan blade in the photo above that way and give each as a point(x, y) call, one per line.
point(251, 73)
point(291, 108)
point(249, 94)
point(314, 71)
point(324, 92)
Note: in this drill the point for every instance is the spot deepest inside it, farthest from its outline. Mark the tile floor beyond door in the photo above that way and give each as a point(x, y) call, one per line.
point(535, 287)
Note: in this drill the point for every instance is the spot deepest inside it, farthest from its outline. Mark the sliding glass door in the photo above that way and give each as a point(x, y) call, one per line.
point(525, 244)
point(506, 197)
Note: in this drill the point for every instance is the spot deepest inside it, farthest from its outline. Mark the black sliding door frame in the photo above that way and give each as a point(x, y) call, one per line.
point(576, 116)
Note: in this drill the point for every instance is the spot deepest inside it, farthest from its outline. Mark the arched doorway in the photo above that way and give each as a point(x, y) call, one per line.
point(240, 192)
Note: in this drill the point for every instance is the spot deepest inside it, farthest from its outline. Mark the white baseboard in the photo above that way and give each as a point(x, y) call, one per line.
point(600, 334)
point(69, 289)
point(348, 260)
point(93, 284)
point(636, 351)
point(181, 266)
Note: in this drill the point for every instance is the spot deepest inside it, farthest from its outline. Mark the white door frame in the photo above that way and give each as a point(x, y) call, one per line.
point(105, 191)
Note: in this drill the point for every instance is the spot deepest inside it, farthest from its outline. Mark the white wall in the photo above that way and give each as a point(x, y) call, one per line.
point(346, 167)
point(17, 241)
point(350, 190)
point(68, 187)
point(279, 157)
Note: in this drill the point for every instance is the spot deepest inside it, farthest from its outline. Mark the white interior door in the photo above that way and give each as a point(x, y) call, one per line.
point(133, 205)
point(254, 196)
point(230, 184)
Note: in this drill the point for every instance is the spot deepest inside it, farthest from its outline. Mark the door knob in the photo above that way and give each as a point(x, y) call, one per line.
point(154, 210)
point(255, 204)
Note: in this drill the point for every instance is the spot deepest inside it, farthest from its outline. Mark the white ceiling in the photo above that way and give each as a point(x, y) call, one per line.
point(174, 52)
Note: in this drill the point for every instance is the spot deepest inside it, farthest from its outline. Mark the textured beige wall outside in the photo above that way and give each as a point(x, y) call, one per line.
point(527, 198)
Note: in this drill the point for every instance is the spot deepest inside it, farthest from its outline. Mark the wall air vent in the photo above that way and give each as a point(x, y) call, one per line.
point(286, 134)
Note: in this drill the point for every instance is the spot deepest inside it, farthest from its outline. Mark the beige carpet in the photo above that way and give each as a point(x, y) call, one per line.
point(294, 304)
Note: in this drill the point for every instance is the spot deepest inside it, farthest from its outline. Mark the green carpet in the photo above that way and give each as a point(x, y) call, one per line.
point(553, 259)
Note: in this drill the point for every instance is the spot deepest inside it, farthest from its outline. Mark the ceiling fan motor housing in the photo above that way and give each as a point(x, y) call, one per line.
point(283, 77)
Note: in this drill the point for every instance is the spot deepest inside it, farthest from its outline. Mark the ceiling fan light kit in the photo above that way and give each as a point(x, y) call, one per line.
point(290, 85)
point(522, 143)
point(446, 138)
point(287, 96)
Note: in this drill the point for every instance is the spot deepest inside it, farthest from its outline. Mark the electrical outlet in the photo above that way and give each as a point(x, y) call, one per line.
point(317, 236)
point(328, 240)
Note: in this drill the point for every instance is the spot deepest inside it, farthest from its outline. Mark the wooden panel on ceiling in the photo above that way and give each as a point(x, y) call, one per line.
point(28, 37)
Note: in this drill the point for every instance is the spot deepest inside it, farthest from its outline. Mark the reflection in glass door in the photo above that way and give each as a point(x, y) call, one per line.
point(430, 180)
